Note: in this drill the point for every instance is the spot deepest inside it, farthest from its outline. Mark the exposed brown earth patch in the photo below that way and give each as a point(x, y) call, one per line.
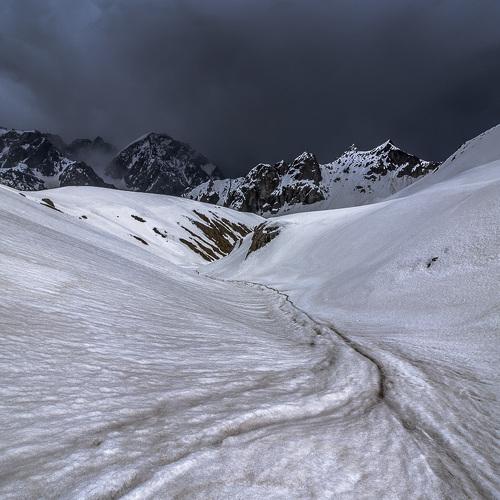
point(217, 236)
point(262, 235)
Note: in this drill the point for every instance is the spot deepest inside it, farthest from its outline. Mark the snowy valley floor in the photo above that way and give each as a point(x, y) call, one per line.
point(122, 373)
point(354, 356)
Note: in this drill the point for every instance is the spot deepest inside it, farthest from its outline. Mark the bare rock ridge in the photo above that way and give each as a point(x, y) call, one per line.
point(356, 178)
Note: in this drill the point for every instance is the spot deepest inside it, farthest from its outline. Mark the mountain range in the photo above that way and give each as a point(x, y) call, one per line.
point(356, 178)
point(157, 163)
point(154, 163)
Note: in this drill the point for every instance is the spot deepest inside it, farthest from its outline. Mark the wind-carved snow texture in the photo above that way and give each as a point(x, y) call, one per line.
point(118, 367)
point(331, 362)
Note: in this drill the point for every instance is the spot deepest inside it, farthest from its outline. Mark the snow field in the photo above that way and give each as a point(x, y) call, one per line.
point(354, 356)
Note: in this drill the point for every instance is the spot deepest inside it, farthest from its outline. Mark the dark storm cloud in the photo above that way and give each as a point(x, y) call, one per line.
point(247, 80)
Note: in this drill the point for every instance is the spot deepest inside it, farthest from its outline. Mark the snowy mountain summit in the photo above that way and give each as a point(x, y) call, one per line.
point(32, 160)
point(157, 163)
point(356, 178)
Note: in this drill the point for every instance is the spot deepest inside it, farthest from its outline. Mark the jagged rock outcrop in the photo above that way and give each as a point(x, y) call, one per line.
point(32, 160)
point(156, 163)
point(356, 178)
point(267, 188)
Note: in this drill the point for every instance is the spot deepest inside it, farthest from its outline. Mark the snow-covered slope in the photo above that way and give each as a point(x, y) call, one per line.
point(122, 373)
point(413, 283)
point(32, 160)
point(369, 370)
point(115, 363)
point(481, 150)
point(182, 231)
point(356, 178)
point(156, 163)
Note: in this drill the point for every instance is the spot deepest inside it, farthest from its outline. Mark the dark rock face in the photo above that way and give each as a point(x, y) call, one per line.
point(32, 160)
point(156, 163)
point(267, 188)
point(20, 179)
point(32, 149)
point(209, 195)
point(220, 235)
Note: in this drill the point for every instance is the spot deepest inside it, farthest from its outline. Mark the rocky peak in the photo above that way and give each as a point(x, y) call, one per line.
point(157, 163)
point(306, 166)
point(385, 146)
point(266, 188)
point(31, 149)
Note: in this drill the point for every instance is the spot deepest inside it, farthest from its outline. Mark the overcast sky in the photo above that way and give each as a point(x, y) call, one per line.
point(245, 81)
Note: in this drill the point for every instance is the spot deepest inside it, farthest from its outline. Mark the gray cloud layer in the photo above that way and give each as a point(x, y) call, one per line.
point(254, 80)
